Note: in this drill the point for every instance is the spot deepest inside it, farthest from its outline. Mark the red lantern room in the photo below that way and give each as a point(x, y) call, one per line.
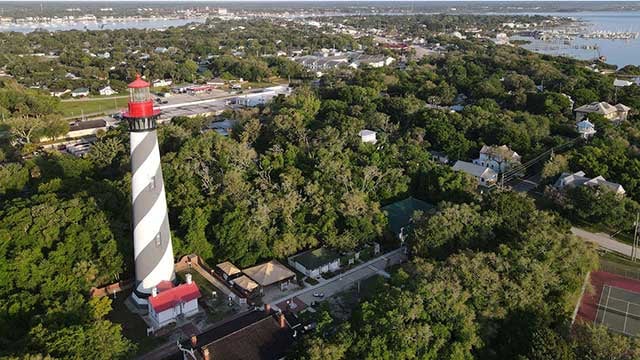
point(141, 115)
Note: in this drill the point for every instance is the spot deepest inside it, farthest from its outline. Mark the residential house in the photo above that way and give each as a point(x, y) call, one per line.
point(621, 83)
point(368, 136)
point(313, 263)
point(166, 305)
point(107, 91)
point(245, 285)
point(161, 50)
point(71, 76)
point(498, 158)
point(80, 92)
point(586, 129)
point(485, 176)
point(439, 156)
point(613, 113)
point(568, 181)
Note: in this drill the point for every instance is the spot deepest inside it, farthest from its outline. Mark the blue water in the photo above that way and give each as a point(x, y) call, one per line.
point(617, 52)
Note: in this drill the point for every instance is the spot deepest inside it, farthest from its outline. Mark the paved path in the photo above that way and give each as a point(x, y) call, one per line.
point(603, 240)
point(345, 280)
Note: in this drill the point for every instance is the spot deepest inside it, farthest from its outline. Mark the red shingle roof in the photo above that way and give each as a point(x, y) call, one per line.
point(170, 298)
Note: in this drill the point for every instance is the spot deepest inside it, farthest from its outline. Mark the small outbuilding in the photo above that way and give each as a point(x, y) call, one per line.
point(368, 136)
point(166, 305)
point(227, 270)
point(271, 273)
point(245, 285)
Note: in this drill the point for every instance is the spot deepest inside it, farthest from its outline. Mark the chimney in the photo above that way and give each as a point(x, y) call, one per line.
point(154, 291)
point(194, 340)
point(282, 321)
point(205, 354)
point(187, 278)
point(267, 308)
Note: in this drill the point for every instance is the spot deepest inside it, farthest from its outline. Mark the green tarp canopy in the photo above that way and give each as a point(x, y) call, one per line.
point(399, 213)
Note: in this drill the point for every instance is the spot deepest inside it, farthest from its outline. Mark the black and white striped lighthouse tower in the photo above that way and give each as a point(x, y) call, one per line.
point(151, 237)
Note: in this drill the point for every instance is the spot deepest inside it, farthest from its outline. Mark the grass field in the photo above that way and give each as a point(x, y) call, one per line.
point(107, 106)
point(133, 327)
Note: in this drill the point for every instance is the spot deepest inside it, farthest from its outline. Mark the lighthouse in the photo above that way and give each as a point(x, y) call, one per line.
point(153, 253)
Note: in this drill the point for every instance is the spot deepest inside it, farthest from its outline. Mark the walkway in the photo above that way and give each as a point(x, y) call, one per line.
point(347, 279)
point(603, 240)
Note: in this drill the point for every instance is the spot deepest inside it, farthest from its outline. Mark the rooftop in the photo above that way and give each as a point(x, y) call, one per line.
point(400, 213)
point(245, 283)
point(173, 296)
point(502, 151)
point(255, 336)
point(314, 259)
point(228, 268)
point(473, 169)
point(269, 273)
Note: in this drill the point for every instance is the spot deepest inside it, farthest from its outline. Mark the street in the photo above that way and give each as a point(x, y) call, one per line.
point(347, 279)
point(603, 240)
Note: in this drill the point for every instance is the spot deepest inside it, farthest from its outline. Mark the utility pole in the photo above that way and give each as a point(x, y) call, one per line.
point(636, 239)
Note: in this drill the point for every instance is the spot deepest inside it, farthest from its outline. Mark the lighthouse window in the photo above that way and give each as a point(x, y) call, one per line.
point(158, 240)
point(152, 183)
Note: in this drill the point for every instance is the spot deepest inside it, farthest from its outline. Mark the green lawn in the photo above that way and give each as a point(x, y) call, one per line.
point(107, 106)
point(217, 308)
point(133, 327)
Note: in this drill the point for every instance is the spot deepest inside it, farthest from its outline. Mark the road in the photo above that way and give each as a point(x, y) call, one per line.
point(603, 240)
point(345, 280)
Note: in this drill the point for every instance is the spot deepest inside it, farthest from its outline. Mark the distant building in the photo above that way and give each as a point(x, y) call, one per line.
point(613, 113)
point(71, 76)
point(568, 181)
point(313, 263)
point(107, 91)
point(80, 92)
point(586, 129)
point(168, 304)
point(161, 50)
point(497, 158)
point(162, 82)
point(484, 175)
point(218, 82)
point(502, 39)
point(368, 136)
point(59, 93)
point(621, 83)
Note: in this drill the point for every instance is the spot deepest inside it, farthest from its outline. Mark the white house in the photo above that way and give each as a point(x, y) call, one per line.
point(621, 83)
point(586, 129)
point(161, 82)
point(498, 158)
point(567, 180)
point(615, 113)
point(315, 262)
point(107, 91)
point(483, 174)
point(165, 306)
point(80, 92)
point(59, 93)
point(368, 136)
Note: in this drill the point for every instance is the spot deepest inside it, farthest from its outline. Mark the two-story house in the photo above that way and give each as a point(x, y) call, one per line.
point(498, 158)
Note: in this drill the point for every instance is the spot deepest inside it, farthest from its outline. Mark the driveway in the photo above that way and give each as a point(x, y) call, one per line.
point(603, 240)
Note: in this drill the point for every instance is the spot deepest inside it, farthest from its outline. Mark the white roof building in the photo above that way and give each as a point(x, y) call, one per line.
point(614, 113)
point(484, 175)
point(567, 180)
point(621, 83)
point(368, 136)
point(107, 90)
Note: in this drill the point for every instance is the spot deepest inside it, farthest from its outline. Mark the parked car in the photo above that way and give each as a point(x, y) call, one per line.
point(318, 295)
